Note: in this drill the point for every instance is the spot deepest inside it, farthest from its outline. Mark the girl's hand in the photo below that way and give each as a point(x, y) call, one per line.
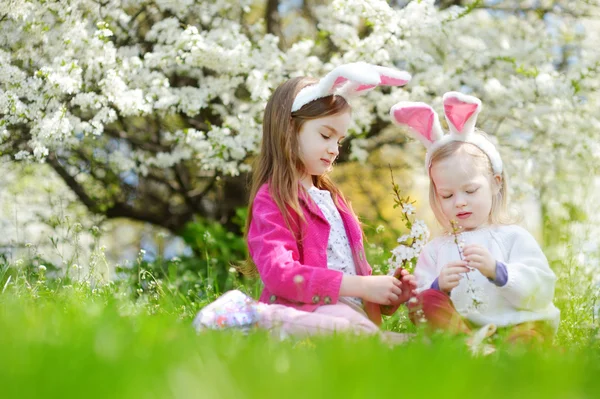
point(384, 290)
point(451, 274)
point(481, 259)
point(409, 285)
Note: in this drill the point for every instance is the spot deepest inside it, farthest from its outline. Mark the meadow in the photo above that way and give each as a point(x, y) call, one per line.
point(150, 112)
point(77, 335)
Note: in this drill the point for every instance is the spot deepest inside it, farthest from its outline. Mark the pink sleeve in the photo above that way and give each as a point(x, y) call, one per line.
point(274, 250)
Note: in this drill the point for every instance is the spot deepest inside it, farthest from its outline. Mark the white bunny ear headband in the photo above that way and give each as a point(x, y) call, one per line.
point(461, 110)
point(350, 80)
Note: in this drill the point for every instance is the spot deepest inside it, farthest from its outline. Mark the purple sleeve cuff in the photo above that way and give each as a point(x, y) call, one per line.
point(435, 285)
point(501, 274)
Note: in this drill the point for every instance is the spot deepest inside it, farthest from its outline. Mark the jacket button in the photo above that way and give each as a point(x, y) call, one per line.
point(272, 298)
point(315, 299)
point(327, 300)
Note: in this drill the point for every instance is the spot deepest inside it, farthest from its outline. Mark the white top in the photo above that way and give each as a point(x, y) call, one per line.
point(528, 292)
point(339, 253)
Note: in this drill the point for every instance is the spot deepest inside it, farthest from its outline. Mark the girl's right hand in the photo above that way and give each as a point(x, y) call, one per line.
point(451, 274)
point(383, 290)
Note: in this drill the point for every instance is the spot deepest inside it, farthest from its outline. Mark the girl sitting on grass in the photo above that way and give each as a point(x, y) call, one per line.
point(305, 242)
point(486, 272)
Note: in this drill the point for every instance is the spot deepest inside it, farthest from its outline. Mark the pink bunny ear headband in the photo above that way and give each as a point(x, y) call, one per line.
point(350, 80)
point(461, 110)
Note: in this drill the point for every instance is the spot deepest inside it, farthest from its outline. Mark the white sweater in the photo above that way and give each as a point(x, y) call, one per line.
point(528, 292)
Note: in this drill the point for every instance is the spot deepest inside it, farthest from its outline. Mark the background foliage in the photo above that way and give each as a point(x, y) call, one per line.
point(151, 110)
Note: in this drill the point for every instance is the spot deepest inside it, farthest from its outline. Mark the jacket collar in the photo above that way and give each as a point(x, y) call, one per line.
point(353, 231)
point(309, 204)
point(348, 219)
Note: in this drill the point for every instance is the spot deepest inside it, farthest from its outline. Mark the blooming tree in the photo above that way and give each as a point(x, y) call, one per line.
point(152, 109)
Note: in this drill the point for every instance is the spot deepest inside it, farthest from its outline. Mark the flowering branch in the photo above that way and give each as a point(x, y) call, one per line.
point(474, 292)
point(405, 255)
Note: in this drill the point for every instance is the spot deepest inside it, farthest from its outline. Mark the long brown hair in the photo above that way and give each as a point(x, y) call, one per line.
point(279, 163)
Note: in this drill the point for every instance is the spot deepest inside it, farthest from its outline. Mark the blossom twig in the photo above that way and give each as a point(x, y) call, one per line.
point(476, 300)
point(409, 247)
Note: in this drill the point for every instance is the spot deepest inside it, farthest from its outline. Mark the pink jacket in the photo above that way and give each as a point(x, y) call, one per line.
point(294, 271)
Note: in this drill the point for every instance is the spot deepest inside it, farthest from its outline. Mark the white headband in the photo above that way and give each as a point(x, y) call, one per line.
point(461, 110)
point(350, 80)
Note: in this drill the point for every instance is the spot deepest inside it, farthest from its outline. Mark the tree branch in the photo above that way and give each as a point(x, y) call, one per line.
point(174, 222)
point(72, 183)
point(184, 183)
point(273, 21)
point(377, 126)
point(162, 180)
point(309, 14)
point(537, 10)
point(201, 193)
point(125, 134)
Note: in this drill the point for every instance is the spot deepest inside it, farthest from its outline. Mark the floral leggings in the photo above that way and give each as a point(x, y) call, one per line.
point(235, 310)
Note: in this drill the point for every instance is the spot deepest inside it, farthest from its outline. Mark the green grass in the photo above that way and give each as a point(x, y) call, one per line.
point(72, 343)
point(133, 338)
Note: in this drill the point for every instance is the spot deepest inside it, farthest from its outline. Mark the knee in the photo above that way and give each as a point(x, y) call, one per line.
point(426, 298)
point(433, 294)
point(366, 327)
point(426, 302)
point(359, 322)
point(532, 333)
point(528, 338)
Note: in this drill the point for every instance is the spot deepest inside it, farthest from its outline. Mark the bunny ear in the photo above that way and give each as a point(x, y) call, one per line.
point(356, 74)
point(461, 112)
point(392, 77)
point(350, 80)
point(419, 119)
point(339, 82)
point(344, 78)
point(387, 77)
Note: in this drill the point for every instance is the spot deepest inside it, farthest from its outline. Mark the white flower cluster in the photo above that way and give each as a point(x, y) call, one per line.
point(409, 246)
point(76, 71)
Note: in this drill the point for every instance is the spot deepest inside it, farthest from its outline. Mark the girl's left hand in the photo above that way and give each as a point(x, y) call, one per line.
point(481, 259)
point(409, 285)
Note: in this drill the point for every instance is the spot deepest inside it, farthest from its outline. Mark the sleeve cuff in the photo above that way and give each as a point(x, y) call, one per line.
point(435, 285)
point(501, 275)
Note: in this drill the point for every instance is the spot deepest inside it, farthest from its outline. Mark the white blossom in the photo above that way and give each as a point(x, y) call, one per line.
point(72, 73)
point(409, 209)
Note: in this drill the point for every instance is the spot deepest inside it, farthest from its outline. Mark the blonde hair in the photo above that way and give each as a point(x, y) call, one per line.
point(279, 163)
point(500, 213)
